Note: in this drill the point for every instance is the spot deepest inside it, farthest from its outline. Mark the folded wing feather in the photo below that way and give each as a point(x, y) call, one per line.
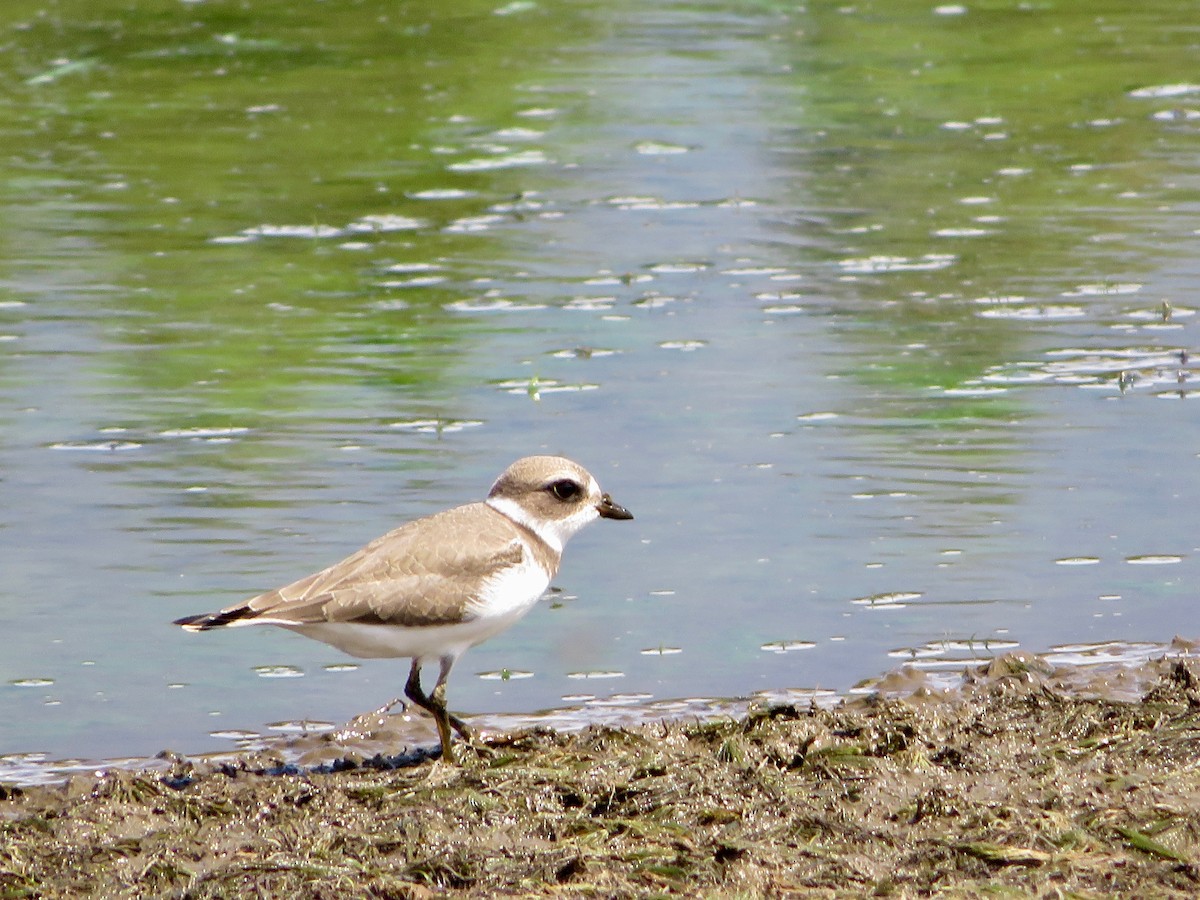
point(397, 579)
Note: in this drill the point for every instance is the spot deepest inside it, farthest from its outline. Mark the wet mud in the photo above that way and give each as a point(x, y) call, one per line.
point(1018, 782)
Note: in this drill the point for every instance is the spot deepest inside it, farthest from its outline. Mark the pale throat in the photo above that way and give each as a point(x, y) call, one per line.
point(554, 532)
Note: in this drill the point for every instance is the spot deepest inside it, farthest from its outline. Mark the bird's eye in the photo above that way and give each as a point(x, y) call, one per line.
point(565, 489)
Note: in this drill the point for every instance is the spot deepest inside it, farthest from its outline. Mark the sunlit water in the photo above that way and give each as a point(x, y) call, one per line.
point(885, 342)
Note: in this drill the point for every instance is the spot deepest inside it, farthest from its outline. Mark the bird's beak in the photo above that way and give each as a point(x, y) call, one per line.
point(611, 510)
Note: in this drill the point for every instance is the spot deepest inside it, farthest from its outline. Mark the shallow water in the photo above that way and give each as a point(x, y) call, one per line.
point(1110, 670)
point(878, 318)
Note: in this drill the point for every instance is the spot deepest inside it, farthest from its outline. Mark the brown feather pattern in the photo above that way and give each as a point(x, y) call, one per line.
point(415, 575)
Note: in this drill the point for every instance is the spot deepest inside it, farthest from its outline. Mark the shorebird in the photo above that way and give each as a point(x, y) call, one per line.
point(439, 585)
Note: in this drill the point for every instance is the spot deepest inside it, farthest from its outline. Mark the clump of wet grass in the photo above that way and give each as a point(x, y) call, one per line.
point(1007, 787)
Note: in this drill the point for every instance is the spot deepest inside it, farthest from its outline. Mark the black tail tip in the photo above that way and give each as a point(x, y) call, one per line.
point(208, 621)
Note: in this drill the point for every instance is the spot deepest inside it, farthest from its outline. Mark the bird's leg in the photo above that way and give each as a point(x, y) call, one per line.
point(414, 692)
point(436, 705)
point(439, 699)
point(412, 688)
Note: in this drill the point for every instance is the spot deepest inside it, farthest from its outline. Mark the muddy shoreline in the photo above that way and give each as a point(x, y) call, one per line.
point(1015, 782)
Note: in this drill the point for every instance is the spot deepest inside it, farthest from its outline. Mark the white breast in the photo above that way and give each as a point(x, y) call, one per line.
point(512, 592)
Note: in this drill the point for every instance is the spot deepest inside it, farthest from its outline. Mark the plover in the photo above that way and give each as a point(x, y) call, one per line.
point(439, 585)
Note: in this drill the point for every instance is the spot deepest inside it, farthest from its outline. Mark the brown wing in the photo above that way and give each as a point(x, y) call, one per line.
point(418, 574)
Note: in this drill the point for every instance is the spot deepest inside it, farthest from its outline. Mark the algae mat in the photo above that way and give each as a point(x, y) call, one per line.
point(1010, 787)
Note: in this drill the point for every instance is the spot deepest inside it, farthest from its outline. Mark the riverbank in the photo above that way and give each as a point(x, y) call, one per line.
point(1011, 784)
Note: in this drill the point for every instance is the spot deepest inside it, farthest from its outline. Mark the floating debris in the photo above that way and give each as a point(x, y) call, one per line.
point(278, 671)
point(96, 446)
point(1154, 560)
point(787, 646)
point(661, 651)
point(505, 675)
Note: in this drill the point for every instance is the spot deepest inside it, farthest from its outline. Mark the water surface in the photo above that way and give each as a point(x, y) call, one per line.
point(879, 318)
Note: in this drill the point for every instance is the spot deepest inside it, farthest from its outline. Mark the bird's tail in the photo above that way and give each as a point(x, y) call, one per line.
point(208, 621)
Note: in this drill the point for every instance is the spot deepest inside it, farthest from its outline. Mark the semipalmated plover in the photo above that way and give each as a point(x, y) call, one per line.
point(439, 585)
